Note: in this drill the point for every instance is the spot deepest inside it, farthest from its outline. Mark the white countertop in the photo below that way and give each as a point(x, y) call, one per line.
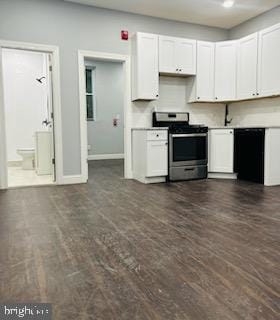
point(151, 128)
point(244, 127)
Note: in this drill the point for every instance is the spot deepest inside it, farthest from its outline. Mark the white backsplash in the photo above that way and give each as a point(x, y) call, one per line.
point(263, 112)
point(174, 95)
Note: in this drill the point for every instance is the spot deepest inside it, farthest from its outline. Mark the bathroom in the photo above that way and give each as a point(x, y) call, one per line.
point(28, 117)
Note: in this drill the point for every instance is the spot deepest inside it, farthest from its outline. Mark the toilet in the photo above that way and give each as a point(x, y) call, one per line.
point(28, 157)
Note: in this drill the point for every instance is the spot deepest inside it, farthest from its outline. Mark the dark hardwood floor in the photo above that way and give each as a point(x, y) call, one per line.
point(117, 249)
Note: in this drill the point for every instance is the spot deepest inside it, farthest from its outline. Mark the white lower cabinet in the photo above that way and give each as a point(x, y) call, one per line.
point(221, 151)
point(150, 155)
point(156, 158)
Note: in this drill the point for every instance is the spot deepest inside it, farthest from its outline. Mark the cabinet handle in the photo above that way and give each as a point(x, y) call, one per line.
point(216, 98)
point(157, 135)
point(180, 70)
point(177, 69)
point(198, 98)
point(157, 95)
point(253, 94)
point(258, 94)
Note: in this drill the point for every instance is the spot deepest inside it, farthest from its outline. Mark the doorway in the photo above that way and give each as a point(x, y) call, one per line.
point(120, 120)
point(30, 115)
point(27, 87)
point(104, 97)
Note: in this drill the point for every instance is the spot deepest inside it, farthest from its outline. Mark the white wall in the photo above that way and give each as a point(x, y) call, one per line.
point(103, 137)
point(262, 111)
point(25, 98)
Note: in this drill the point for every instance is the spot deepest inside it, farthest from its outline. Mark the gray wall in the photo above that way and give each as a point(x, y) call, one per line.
point(258, 23)
point(73, 27)
point(103, 137)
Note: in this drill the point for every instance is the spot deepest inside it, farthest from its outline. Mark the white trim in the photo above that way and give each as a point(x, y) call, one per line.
point(108, 156)
point(74, 179)
point(103, 56)
point(221, 175)
point(54, 51)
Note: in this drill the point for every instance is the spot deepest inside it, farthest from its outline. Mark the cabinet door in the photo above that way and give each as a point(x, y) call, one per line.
point(157, 156)
point(167, 47)
point(145, 74)
point(247, 60)
point(205, 71)
point(221, 146)
point(269, 61)
point(225, 71)
point(186, 56)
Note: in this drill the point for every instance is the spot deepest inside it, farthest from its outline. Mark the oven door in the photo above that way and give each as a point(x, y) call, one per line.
point(188, 149)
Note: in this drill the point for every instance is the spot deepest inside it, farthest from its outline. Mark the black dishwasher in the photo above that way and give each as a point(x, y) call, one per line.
point(249, 154)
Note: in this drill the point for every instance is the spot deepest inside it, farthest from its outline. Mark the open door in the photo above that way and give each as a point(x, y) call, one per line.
point(50, 111)
point(3, 157)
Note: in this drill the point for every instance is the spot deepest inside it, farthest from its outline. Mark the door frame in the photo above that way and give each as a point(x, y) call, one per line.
point(54, 51)
point(110, 57)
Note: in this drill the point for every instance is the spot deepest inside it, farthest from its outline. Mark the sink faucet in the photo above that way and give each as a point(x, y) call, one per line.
point(226, 117)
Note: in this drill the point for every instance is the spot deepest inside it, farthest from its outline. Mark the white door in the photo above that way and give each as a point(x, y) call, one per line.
point(225, 71)
point(186, 56)
point(205, 71)
point(167, 48)
point(3, 152)
point(50, 111)
point(157, 159)
point(221, 148)
point(147, 74)
point(247, 61)
point(269, 61)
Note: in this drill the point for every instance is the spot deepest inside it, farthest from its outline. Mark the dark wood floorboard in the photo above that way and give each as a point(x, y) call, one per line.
point(117, 249)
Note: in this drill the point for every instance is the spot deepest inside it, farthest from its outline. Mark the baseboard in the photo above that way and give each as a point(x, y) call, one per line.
point(14, 163)
point(75, 179)
point(110, 156)
point(217, 175)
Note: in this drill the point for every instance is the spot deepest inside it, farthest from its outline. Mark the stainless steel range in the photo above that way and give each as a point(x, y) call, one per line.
point(188, 145)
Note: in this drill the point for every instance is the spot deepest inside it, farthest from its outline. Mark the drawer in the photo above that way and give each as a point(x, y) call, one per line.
point(187, 173)
point(156, 135)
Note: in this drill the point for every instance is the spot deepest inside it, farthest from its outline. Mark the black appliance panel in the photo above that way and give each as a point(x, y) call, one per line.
point(189, 148)
point(249, 147)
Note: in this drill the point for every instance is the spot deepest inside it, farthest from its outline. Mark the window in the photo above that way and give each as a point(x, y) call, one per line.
point(90, 93)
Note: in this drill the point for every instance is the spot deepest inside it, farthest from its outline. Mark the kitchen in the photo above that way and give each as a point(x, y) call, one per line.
point(174, 213)
point(224, 72)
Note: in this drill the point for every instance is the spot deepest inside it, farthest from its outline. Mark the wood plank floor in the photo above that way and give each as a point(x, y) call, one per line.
point(117, 249)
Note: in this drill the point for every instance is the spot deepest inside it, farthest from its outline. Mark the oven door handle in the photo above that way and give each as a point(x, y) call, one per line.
point(186, 135)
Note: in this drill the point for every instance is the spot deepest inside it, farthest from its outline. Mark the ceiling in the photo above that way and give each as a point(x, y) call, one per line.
point(206, 12)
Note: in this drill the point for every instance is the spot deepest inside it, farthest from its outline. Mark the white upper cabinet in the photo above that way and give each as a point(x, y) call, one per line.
point(205, 71)
point(186, 56)
point(221, 151)
point(167, 56)
point(177, 56)
point(225, 71)
point(269, 61)
point(247, 65)
point(145, 73)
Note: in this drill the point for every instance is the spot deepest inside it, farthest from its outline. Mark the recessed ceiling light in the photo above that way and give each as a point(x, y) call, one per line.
point(228, 3)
